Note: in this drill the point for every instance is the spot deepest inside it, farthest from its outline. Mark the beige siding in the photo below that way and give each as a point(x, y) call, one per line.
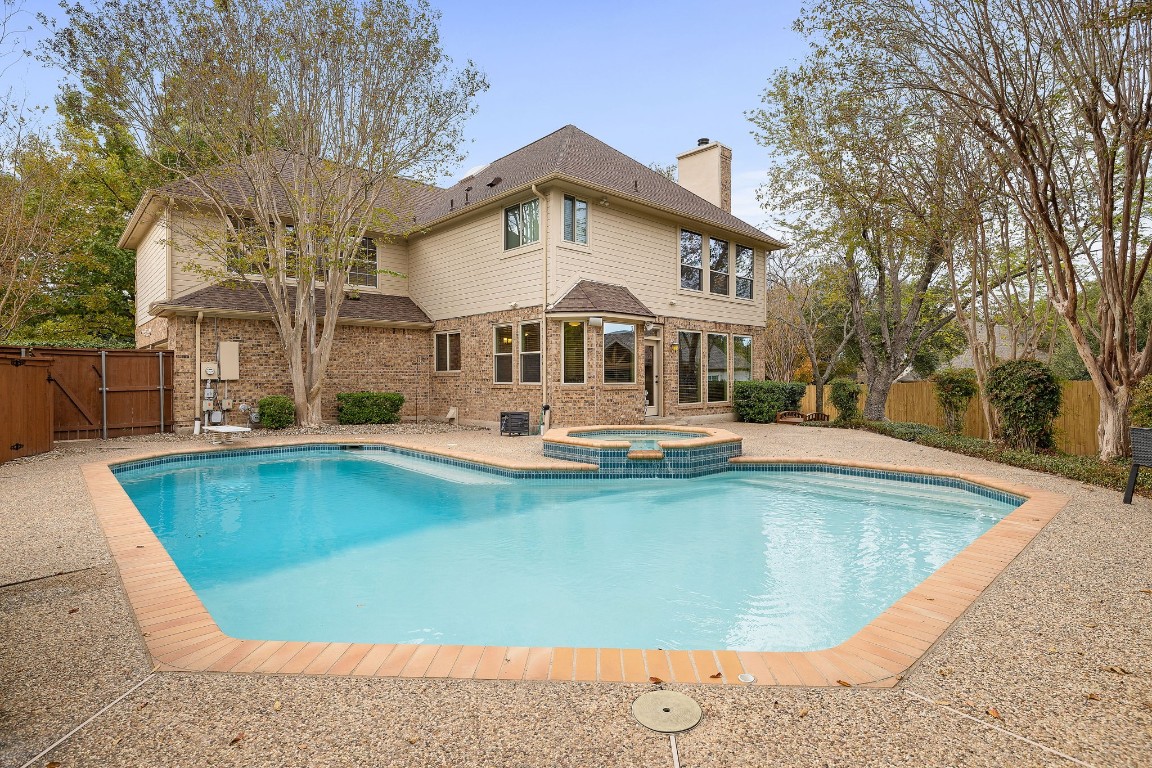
point(643, 254)
point(151, 269)
point(197, 256)
point(464, 269)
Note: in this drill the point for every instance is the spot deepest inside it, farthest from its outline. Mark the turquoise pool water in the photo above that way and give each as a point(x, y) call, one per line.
point(373, 546)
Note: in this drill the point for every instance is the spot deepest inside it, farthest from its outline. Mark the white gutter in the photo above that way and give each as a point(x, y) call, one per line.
point(196, 375)
point(544, 309)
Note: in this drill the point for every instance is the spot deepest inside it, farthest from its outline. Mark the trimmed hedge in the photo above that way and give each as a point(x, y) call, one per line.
point(277, 411)
point(955, 388)
point(1027, 396)
point(368, 407)
point(1086, 469)
point(760, 401)
point(845, 395)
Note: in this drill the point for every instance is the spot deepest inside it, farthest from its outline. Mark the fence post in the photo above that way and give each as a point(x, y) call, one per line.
point(104, 393)
point(160, 357)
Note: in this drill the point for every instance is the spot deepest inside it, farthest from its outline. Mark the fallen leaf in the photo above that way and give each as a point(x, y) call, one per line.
point(303, 746)
point(142, 705)
point(53, 764)
point(236, 739)
point(1092, 696)
point(277, 706)
point(73, 610)
point(844, 683)
point(716, 676)
point(944, 671)
point(655, 680)
point(802, 713)
point(1117, 669)
point(1147, 591)
point(1091, 626)
point(139, 546)
point(993, 712)
point(411, 739)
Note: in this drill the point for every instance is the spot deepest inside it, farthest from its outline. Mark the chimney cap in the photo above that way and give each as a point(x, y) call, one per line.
point(703, 142)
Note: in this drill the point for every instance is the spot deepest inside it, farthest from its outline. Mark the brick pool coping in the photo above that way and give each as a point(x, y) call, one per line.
point(180, 634)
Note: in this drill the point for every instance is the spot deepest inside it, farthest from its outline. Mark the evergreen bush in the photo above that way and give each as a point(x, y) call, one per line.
point(1027, 396)
point(760, 401)
point(845, 395)
point(368, 407)
point(277, 411)
point(1140, 406)
point(955, 388)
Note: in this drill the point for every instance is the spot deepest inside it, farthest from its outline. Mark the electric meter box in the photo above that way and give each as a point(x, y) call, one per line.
point(209, 370)
point(228, 358)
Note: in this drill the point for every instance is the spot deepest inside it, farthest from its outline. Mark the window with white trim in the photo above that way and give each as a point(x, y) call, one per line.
point(503, 343)
point(448, 351)
point(530, 353)
point(691, 260)
point(717, 367)
point(572, 359)
point(717, 266)
point(363, 269)
point(619, 353)
point(745, 269)
point(741, 358)
point(688, 359)
point(575, 220)
point(521, 224)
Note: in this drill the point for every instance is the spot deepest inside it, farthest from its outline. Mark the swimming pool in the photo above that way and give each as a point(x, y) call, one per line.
point(381, 546)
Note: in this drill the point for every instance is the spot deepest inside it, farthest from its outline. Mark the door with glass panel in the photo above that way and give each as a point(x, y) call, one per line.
point(651, 378)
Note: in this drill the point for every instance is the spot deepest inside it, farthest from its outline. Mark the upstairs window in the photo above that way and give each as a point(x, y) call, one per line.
point(530, 353)
point(521, 224)
point(619, 353)
point(502, 354)
point(575, 220)
point(745, 265)
point(718, 266)
point(691, 260)
point(363, 270)
point(448, 351)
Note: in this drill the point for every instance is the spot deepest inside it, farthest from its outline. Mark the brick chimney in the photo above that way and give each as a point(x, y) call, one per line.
point(706, 170)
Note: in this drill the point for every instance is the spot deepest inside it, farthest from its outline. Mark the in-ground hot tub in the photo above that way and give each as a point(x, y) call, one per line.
point(644, 451)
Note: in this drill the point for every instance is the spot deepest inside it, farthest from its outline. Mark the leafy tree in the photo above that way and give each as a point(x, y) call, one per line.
point(291, 125)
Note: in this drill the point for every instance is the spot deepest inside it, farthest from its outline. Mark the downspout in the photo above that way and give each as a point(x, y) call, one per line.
point(196, 378)
point(545, 416)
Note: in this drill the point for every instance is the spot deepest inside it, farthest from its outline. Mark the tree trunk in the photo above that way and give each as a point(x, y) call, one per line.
point(819, 383)
point(877, 397)
point(1112, 429)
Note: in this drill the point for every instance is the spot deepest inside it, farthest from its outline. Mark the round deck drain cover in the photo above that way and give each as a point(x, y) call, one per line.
point(666, 711)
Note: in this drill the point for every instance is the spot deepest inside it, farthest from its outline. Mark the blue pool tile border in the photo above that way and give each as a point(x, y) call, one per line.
point(679, 465)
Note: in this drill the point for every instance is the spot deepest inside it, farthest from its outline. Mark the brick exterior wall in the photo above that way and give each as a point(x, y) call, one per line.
point(153, 333)
point(363, 358)
point(402, 360)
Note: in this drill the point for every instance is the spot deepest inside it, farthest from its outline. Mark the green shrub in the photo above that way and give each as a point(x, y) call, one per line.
point(1140, 406)
point(368, 407)
point(1027, 396)
point(277, 411)
point(760, 401)
point(955, 388)
point(845, 395)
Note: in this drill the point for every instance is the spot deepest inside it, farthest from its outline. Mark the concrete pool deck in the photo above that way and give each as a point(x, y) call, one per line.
point(1052, 659)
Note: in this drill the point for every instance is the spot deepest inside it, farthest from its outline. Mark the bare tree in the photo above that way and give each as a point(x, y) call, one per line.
point(291, 124)
point(1062, 92)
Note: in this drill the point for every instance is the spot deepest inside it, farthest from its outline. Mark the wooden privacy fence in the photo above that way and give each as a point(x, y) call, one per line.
point(105, 393)
point(25, 406)
point(916, 401)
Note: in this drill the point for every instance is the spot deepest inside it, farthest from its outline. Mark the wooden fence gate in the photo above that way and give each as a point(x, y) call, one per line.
point(106, 393)
point(25, 406)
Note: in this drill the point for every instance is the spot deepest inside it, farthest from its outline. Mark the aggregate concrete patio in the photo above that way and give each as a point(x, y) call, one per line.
point(1058, 648)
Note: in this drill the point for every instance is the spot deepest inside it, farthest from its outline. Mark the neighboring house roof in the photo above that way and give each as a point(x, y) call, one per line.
point(601, 298)
point(245, 299)
point(573, 154)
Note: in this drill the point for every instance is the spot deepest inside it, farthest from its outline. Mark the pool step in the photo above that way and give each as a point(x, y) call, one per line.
point(435, 469)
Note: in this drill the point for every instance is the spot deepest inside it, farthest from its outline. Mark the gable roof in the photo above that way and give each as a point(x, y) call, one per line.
point(253, 299)
point(601, 298)
point(573, 154)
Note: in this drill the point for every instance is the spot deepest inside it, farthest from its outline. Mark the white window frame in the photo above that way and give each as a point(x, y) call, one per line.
point(520, 217)
point(737, 277)
point(700, 393)
point(510, 354)
point(447, 352)
point(727, 368)
point(576, 203)
point(604, 355)
point(699, 268)
point(583, 356)
point(521, 353)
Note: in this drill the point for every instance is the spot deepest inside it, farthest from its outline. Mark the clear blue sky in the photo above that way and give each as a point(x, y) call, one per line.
point(648, 78)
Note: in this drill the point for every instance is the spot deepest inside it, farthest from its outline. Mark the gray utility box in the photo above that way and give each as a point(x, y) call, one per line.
point(514, 423)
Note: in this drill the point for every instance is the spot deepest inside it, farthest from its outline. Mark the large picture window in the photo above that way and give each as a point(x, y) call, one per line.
point(717, 367)
point(521, 224)
point(717, 266)
point(741, 358)
point(619, 353)
point(745, 266)
point(689, 367)
point(691, 260)
point(575, 220)
point(573, 358)
point(448, 351)
point(530, 353)
point(502, 354)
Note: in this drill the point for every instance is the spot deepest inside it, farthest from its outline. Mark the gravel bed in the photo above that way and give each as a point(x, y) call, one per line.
point(1059, 648)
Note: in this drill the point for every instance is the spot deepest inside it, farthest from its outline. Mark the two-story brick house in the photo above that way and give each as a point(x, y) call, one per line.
point(564, 273)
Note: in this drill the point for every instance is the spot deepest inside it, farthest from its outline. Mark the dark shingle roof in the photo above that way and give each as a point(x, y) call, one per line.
point(575, 154)
point(602, 298)
point(244, 298)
